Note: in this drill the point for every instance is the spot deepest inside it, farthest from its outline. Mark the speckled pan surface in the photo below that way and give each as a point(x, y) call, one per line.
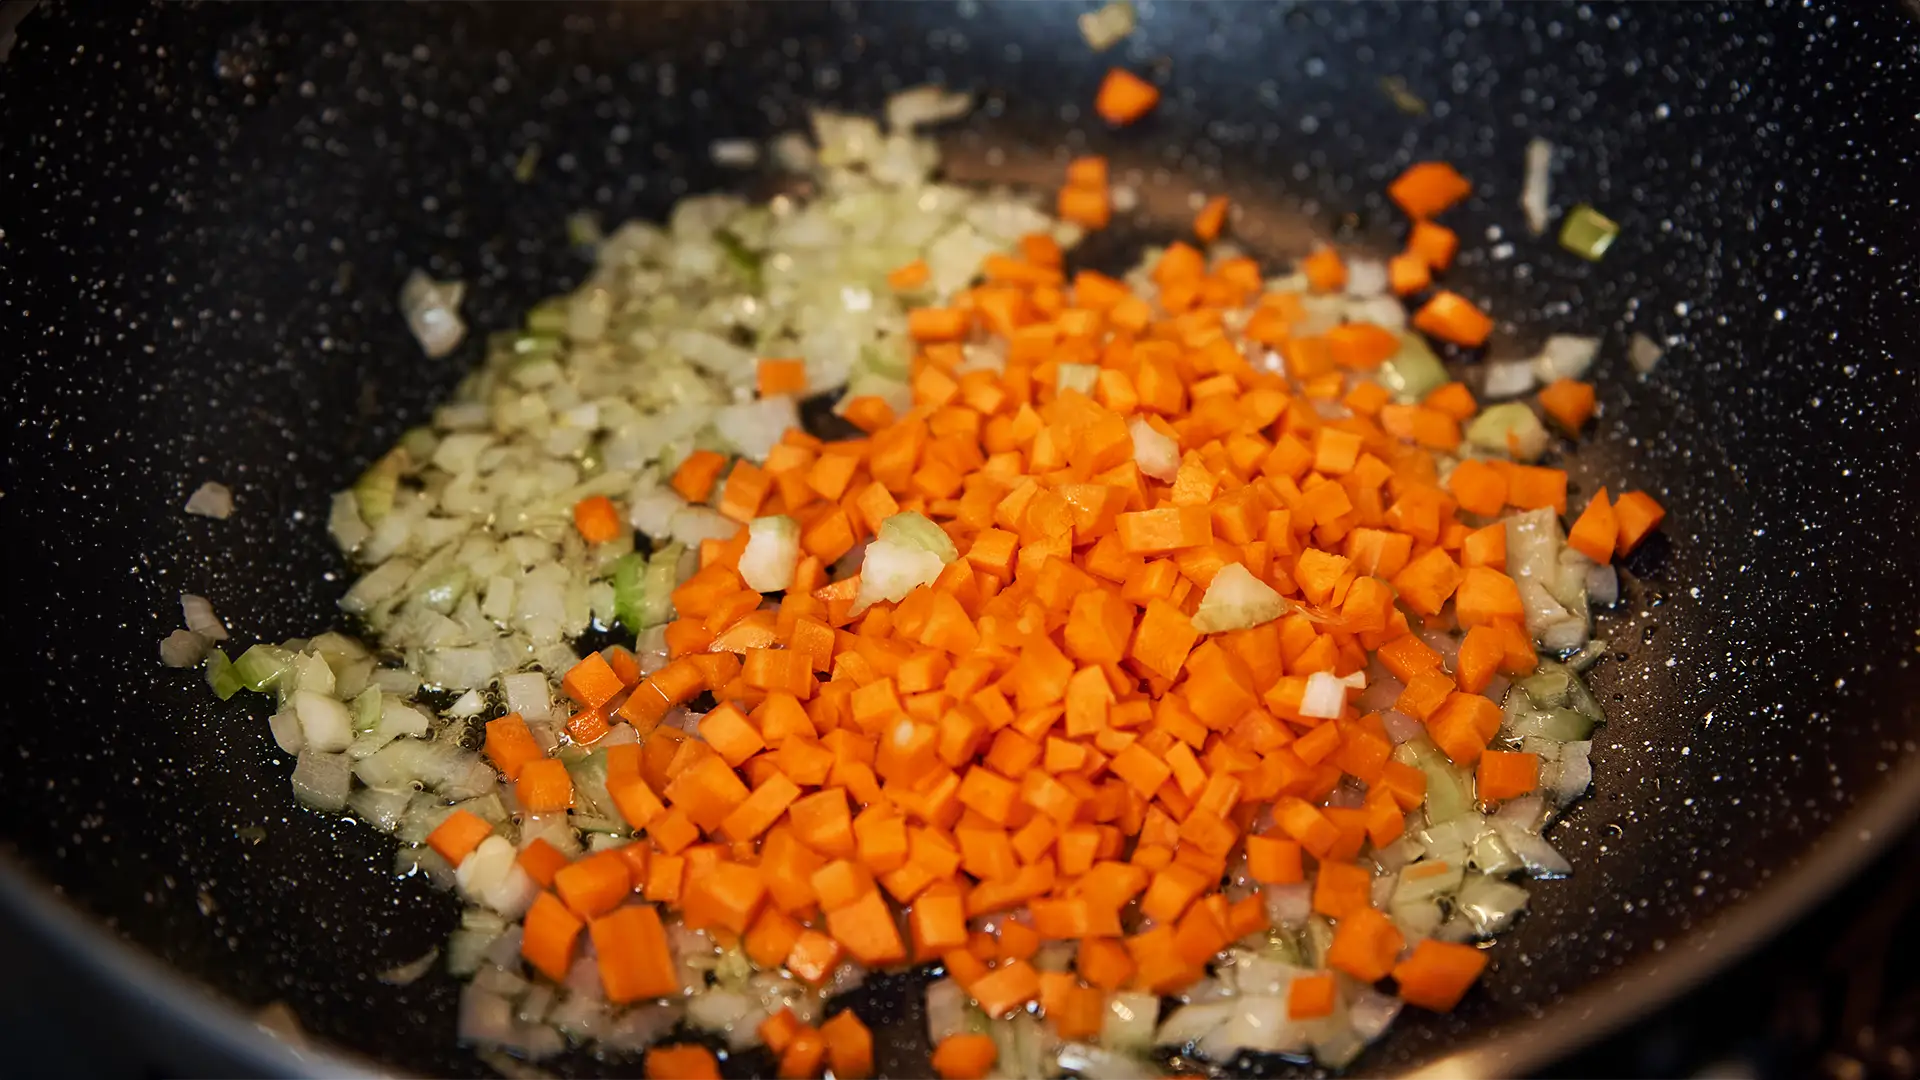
point(206, 212)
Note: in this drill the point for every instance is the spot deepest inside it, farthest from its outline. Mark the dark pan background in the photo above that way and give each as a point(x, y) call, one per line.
point(206, 212)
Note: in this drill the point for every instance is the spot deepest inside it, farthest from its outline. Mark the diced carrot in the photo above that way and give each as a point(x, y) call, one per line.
point(510, 745)
point(544, 787)
point(1636, 514)
point(458, 834)
point(689, 1061)
point(1310, 997)
point(1427, 188)
point(1438, 974)
point(1408, 273)
point(597, 519)
point(1325, 270)
point(1211, 219)
point(695, 476)
point(849, 1046)
point(1434, 245)
point(1597, 529)
point(1569, 402)
point(594, 885)
point(964, 1057)
point(1124, 97)
point(908, 277)
point(1452, 317)
point(1365, 944)
point(631, 945)
point(775, 377)
point(1504, 775)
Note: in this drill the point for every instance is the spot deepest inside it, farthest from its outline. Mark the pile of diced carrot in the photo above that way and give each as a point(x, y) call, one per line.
point(1043, 729)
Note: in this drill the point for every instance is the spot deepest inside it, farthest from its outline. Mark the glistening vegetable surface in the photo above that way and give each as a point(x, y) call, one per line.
point(1148, 636)
point(184, 188)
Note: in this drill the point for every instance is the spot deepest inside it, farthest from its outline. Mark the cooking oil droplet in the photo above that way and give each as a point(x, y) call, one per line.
point(1612, 830)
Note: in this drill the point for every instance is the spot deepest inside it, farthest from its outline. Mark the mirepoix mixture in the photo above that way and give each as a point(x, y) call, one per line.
point(1176, 662)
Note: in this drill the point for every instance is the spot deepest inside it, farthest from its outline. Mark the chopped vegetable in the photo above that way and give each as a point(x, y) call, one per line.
point(1588, 233)
point(1124, 97)
point(1107, 26)
point(1534, 187)
point(211, 500)
point(1125, 588)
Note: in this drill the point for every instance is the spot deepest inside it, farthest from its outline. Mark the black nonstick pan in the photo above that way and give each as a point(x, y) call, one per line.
point(206, 212)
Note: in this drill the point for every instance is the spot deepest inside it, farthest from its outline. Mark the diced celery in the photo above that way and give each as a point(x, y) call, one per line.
point(221, 677)
point(1509, 428)
point(1414, 371)
point(261, 666)
point(1588, 233)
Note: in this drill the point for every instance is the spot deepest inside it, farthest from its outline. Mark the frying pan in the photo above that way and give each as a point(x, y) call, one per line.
point(207, 213)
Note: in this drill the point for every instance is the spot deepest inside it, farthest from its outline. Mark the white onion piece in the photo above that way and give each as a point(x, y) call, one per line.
point(754, 427)
point(696, 523)
point(1257, 1022)
point(1565, 356)
point(1603, 586)
point(199, 616)
point(528, 694)
point(1084, 1060)
point(325, 723)
point(1508, 379)
point(286, 731)
point(772, 553)
point(735, 153)
point(1191, 1023)
point(1401, 727)
point(1325, 697)
point(183, 649)
point(919, 106)
point(1533, 190)
point(322, 780)
point(946, 1010)
point(1366, 278)
point(1643, 353)
point(1236, 600)
point(432, 312)
point(212, 500)
point(1289, 905)
point(1575, 773)
point(1370, 1011)
point(1379, 695)
point(1539, 857)
point(1129, 1022)
point(1157, 455)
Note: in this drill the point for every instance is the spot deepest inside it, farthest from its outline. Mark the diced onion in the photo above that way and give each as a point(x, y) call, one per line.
point(1157, 455)
point(1508, 379)
point(1565, 356)
point(912, 109)
point(432, 312)
point(1325, 697)
point(1533, 190)
point(212, 500)
point(1104, 28)
point(200, 619)
point(322, 780)
point(1643, 353)
point(772, 553)
point(183, 649)
point(1236, 600)
point(1129, 1022)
